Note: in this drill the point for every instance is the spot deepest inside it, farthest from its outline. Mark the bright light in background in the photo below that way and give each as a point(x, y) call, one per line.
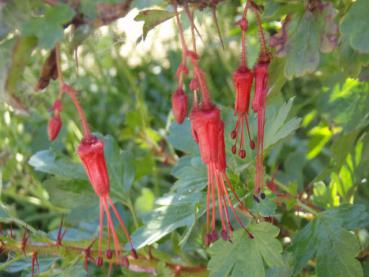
point(152, 45)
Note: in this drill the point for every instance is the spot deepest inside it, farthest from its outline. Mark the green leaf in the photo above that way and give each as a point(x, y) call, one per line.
point(351, 61)
point(172, 211)
point(244, 256)
point(355, 26)
point(19, 59)
point(277, 127)
point(49, 28)
point(46, 161)
point(266, 207)
point(328, 239)
point(120, 167)
point(191, 174)
point(180, 138)
point(303, 47)
point(153, 18)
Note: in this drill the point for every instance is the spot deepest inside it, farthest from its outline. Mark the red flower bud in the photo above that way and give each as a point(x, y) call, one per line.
point(179, 105)
point(91, 153)
point(54, 127)
point(55, 122)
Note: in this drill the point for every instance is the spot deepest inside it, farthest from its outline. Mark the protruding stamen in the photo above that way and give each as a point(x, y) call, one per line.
point(112, 229)
point(252, 143)
point(122, 225)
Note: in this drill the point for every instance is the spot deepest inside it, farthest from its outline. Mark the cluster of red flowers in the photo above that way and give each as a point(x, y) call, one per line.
point(243, 79)
point(207, 130)
point(208, 127)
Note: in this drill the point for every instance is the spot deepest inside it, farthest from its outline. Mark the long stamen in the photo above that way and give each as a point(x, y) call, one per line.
point(121, 222)
point(213, 198)
point(220, 205)
point(252, 143)
point(208, 203)
point(101, 225)
point(235, 194)
point(222, 187)
point(242, 152)
point(235, 212)
point(112, 229)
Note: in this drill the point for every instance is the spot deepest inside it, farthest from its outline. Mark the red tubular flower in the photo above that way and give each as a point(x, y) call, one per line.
point(179, 105)
point(208, 131)
point(242, 79)
point(259, 105)
point(55, 122)
point(91, 153)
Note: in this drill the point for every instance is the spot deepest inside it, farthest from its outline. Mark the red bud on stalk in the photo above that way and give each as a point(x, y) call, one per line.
point(179, 105)
point(55, 122)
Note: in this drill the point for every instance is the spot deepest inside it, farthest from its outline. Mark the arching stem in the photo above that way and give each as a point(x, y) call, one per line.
point(72, 94)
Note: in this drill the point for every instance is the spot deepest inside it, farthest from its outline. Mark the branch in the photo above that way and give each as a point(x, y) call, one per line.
point(142, 264)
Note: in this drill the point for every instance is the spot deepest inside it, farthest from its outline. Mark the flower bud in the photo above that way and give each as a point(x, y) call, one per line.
point(54, 127)
point(91, 153)
point(179, 105)
point(55, 122)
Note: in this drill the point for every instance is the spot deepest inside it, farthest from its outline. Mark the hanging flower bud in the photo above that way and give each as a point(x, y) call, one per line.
point(55, 122)
point(54, 127)
point(91, 153)
point(179, 105)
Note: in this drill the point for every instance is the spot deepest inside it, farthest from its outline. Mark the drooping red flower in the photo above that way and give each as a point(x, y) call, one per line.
point(91, 153)
point(208, 131)
point(243, 79)
point(55, 123)
point(259, 106)
point(179, 105)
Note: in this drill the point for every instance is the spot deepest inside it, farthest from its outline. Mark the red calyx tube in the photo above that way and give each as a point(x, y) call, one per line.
point(243, 79)
point(91, 153)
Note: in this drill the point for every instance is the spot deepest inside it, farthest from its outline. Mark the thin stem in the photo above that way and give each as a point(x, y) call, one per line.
point(72, 94)
point(122, 225)
point(60, 72)
point(264, 49)
point(190, 17)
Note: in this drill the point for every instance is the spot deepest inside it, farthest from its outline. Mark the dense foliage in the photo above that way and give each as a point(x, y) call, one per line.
point(314, 220)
